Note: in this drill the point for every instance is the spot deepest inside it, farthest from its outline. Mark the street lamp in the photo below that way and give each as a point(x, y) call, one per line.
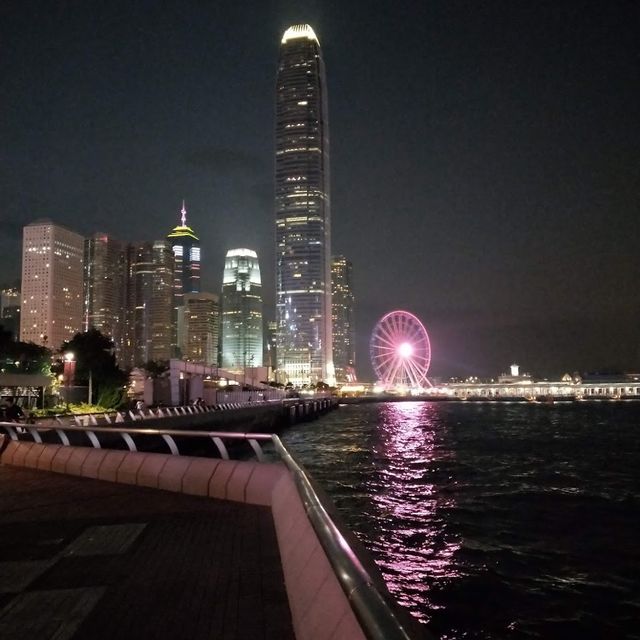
point(69, 371)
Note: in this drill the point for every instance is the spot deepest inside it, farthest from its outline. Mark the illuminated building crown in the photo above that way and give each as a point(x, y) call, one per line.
point(182, 230)
point(298, 31)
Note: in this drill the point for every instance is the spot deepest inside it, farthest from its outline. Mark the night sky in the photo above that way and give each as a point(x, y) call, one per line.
point(485, 156)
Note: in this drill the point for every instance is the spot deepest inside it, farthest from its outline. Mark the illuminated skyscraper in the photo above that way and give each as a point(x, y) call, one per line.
point(200, 327)
point(52, 282)
point(104, 287)
point(342, 304)
point(186, 278)
point(241, 311)
point(148, 330)
point(302, 210)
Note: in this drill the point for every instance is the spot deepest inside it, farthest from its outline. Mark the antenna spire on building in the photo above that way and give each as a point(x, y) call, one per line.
point(184, 215)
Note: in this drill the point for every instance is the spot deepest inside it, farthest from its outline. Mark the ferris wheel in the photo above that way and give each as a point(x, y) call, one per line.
point(400, 351)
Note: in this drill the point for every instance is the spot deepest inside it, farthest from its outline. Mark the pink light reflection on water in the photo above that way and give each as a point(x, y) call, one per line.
point(413, 549)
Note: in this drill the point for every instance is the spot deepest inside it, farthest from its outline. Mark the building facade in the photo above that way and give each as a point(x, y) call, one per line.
point(104, 287)
point(148, 293)
point(186, 275)
point(343, 319)
point(199, 328)
point(52, 284)
point(242, 332)
point(302, 211)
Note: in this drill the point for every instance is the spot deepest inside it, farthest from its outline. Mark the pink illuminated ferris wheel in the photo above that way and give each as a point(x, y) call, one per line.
point(400, 351)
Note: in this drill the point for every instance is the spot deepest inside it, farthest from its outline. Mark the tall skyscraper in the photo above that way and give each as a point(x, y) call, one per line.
point(104, 287)
point(241, 311)
point(199, 322)
point(52, 283)
point(342, 305)
point(148, 330)
point(186, 277)
point(302, 210)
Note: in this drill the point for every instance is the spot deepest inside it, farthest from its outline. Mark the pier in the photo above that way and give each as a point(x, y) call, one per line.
point(528, 391)
point(266, 416)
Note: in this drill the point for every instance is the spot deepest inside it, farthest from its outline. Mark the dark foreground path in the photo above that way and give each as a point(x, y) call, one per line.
point(85, 560)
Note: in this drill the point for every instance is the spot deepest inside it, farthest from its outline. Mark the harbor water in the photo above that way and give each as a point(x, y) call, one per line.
point(492, 520)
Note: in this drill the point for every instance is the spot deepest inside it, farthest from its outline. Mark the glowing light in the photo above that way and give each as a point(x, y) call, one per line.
point(183, 216)
point(405, 350)
point(241, 253)
point(401, 352)
point(298, 31)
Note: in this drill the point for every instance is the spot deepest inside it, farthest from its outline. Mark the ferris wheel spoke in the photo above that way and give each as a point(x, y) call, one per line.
point(394, 372)
point(382, 366)
point(417, 334)
point(387, 353)
point(417, 372)
point(392, 327)
point(387, 340)
point(383, 363)
point(390, 333)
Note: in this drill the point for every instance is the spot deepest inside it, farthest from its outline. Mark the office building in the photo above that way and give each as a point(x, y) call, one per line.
point(302, 211)
point(52, 284)
point(271, 349)
point(342, 305)
point(199, 322)
point(148, 329)
point(104, 287)
point(242, 334)
point(186, 275)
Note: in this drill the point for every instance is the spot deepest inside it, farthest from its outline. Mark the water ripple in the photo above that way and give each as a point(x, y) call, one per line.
point(492, 521)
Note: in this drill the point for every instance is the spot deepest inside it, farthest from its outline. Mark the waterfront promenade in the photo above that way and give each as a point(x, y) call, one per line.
point(87, 559)
point(104, 543)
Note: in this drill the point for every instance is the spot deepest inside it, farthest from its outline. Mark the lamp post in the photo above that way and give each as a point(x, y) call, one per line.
point(244, 369)
point(69, 372)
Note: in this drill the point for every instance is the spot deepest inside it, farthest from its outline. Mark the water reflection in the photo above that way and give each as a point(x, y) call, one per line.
point(491, 521)
point(414, 549)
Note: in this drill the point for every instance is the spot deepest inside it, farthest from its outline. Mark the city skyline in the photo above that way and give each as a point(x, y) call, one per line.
point(483, 169)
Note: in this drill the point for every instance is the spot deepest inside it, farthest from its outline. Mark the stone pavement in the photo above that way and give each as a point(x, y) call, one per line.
point(83, 559)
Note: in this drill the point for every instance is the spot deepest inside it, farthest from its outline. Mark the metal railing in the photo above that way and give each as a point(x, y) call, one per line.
point(145, 415)
point(378, 620)
point(14, 430)
point(370, 606)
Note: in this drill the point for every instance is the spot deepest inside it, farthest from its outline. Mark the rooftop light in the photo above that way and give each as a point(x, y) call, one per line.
point(298, 31)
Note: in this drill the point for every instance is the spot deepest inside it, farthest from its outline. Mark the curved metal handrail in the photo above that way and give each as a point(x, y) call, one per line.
point(217, 437)
point(371, 608)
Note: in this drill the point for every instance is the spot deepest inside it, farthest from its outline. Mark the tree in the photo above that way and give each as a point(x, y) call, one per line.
point(156, 368)
point(23, 357)
point(95, 359)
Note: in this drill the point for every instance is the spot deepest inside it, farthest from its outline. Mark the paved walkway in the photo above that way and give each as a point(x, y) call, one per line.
point(88, 560)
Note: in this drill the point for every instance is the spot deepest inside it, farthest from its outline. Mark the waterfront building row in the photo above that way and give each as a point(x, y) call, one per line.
point(145, 296)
